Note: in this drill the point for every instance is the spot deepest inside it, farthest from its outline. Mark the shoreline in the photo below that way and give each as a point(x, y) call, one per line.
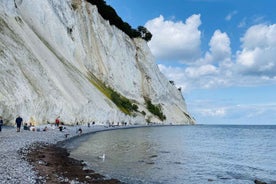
point(53, 164)
point(16, 167)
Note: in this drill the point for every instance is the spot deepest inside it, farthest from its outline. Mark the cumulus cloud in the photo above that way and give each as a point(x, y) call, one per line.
point(258, 53)
point(195, 72)
point(192, 77)
point(260, 36)
point(220, 46)
point(175, 40)
point(220, 50)
point(210, 71)
point(253, 64)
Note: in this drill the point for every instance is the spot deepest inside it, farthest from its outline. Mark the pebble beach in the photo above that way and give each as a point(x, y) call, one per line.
point(14, 168)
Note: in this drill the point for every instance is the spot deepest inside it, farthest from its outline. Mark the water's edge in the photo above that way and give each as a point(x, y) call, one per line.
point(63, 168)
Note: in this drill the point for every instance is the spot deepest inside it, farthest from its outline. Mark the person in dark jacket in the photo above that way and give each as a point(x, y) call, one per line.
point(1, 123)
point(18, 122)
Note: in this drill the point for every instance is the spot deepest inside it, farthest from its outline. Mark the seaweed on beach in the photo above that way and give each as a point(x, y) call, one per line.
point(53, 165)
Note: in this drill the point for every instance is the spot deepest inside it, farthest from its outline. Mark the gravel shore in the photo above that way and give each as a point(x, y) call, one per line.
point(14, 169)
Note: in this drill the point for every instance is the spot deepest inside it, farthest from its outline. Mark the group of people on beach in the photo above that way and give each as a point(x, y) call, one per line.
point(57, 123)
point(19, 123)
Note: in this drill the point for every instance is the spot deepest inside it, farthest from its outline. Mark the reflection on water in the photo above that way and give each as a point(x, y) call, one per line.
point(182, 154)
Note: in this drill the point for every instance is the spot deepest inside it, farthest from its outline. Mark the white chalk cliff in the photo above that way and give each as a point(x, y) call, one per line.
point(54, 54)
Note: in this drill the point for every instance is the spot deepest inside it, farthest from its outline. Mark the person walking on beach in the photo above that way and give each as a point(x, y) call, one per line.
point(1, 123)
point(79, 131)
point(18, 122)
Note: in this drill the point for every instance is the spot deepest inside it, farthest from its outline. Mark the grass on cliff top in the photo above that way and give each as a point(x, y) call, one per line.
point(123, 103)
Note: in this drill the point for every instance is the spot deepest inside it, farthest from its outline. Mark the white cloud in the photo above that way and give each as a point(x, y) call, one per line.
point(175, 40)
point(258, 53)
point(230, 15)
point(208, 72)
point(176, 74)
point(259, 19)
point(233, 113)
point(260, 36)
point(189, 78)
point(254, 64)
point(220, 50)
point(242, 23)
point(214, 112)
point(195, 72)
point(220, 45)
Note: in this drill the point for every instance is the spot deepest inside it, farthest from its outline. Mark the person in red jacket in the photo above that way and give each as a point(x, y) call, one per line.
point(57, 121)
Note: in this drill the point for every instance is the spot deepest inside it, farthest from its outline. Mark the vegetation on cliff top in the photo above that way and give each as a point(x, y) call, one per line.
point(108, 13)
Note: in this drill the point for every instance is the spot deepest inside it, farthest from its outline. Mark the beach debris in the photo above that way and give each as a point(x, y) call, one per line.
point(153, 156)
point(87, 177)
point(42, 162)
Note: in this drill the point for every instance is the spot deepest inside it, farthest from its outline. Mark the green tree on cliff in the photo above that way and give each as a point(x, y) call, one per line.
point(108, 13)
point(144, 33)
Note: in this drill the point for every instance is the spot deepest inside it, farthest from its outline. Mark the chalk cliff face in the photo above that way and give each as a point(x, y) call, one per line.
point(54, 54)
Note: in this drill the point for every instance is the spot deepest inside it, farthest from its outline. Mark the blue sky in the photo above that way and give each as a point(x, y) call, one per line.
point(221, 52)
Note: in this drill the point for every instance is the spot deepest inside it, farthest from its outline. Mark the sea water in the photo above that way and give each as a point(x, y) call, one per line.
point(182, 154)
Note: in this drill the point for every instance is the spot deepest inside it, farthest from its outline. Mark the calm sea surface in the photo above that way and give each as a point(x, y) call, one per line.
point(182, 154)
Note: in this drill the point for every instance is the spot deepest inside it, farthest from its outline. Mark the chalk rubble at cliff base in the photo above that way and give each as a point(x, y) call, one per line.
point(13, 168)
